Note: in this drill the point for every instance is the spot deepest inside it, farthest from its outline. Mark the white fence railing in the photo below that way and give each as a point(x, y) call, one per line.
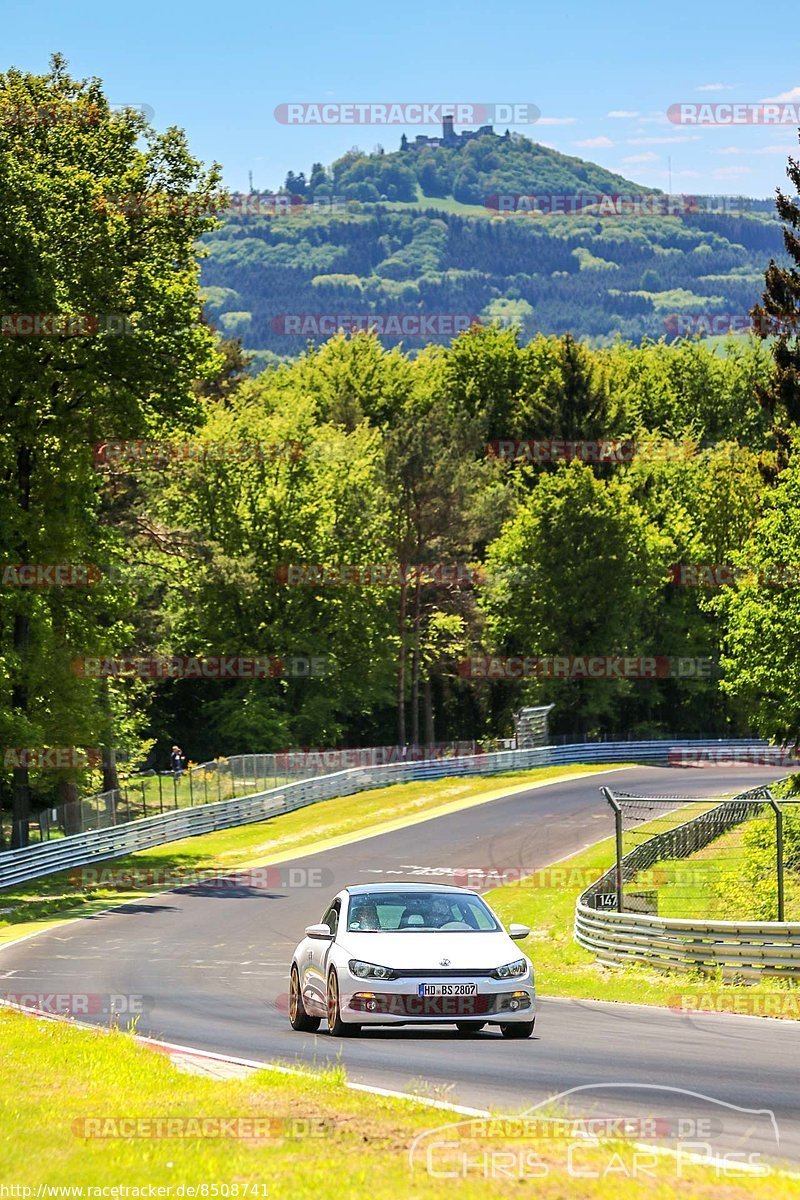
point(81, 849)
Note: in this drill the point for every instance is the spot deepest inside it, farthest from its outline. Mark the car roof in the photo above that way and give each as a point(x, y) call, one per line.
point(360, 889)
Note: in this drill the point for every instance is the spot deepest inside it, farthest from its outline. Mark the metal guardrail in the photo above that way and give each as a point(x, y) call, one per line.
point(45, 858)
point(745, 948)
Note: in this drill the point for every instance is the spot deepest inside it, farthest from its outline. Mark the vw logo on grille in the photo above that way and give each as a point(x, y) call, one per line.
point(445, 962)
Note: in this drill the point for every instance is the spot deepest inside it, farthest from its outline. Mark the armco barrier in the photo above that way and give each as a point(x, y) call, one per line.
point(32, 862)
point(745, 948)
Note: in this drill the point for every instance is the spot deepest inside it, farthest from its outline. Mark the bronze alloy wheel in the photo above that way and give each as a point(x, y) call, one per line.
point(298, 1017)
point(336, 1025)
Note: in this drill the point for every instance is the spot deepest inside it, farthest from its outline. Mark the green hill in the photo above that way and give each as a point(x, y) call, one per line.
point(469, 169)
point(420, 232)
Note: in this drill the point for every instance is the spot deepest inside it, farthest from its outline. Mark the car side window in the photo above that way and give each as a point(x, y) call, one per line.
point(331, 918)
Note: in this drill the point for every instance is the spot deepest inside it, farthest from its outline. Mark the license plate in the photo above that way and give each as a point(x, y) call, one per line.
point(448, 989)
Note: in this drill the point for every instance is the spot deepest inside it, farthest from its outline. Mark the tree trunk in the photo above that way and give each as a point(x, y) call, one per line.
point(21, 800)
point(110, 775)
point(20, 808)
point(415, 669)
point(21, 796)
point(70, 806)
point(401, 667)
point(427, 697)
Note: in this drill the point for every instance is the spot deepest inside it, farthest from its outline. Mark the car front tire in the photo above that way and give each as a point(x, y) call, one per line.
point(336, 1026)
point(517, 1029)
point(298, 1017)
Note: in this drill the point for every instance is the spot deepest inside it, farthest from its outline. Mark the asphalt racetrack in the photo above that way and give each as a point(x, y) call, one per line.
point(213, 963)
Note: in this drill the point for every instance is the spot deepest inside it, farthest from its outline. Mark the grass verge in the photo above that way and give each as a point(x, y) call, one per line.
point(546, 901)
point(75, 1092)
point(316, 827)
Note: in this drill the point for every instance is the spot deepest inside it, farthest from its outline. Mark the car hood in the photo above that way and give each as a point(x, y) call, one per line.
point(425, 951)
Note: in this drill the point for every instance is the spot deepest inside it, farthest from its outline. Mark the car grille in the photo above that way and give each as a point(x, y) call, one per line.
point(425, 1006)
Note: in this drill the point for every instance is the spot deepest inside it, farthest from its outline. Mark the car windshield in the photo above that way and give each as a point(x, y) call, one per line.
point(418, 912)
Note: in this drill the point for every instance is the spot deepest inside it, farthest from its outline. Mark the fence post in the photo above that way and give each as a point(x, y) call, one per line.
point(160, 792)
point(778, 853)
point(191, 787)
point(618, 837)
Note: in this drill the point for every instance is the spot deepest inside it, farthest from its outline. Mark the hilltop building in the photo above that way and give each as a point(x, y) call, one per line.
point(450, 137)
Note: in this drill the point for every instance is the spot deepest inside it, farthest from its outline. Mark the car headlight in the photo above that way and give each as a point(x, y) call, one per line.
point(511, 970)
point(365, 970)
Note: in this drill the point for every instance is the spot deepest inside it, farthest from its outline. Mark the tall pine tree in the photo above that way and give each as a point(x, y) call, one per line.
point(779, 315)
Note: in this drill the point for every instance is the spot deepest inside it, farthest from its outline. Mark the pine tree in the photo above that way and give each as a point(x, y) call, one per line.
point(779, 315)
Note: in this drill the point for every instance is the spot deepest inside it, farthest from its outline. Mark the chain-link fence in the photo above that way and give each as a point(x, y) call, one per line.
point(677, 857)
point(147, 793)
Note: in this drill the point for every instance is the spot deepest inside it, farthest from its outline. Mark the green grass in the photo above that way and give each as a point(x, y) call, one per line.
point(286, 834)
point(317, 1138)
point(445, 204)
point(546, 901)
point(726, 876)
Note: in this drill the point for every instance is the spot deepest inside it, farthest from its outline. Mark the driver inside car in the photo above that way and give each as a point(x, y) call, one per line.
point(439, 914)
point(365, 916)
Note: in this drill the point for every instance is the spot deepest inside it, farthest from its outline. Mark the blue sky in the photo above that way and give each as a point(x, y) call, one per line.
point(219, 71)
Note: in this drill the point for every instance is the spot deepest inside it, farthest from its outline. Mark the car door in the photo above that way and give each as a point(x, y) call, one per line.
point(315, 986)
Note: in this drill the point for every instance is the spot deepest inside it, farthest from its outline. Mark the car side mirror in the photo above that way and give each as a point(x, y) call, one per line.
point(518, 932)
point(321, 932)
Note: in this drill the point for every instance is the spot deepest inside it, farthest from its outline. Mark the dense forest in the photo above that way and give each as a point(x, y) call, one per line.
point(422, 231)
point(238, 535)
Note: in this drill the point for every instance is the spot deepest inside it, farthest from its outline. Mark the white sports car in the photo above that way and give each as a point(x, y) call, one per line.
point(411, 953)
